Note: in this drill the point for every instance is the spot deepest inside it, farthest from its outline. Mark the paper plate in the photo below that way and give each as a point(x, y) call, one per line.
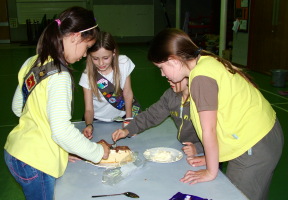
point(163, 155)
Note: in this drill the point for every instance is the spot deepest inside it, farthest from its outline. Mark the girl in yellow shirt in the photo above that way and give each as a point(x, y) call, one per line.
point(36, 150)
point(232, 118)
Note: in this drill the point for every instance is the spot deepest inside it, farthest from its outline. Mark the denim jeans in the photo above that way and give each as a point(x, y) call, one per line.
point(36, 185)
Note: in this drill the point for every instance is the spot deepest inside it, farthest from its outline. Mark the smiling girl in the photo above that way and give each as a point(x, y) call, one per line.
point(106, 84)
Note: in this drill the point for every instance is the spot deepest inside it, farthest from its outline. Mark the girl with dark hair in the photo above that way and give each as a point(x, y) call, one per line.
point(106, 84)
point(232, 118)
point(36, 150)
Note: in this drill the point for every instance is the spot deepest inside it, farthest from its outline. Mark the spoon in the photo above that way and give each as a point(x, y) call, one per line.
point(114, 145)
point(128, 194)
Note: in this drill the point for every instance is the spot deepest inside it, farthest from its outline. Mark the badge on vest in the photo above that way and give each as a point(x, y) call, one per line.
point(28, 85)
point(102, 83)
point(36, 75)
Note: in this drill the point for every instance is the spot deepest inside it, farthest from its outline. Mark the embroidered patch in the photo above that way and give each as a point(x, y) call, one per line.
point(30, 82)
point(102, 83)
point(120, 105)
point(135, 110)
point(112, 100)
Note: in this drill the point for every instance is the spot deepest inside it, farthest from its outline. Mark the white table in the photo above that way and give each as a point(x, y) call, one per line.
point(154, 181)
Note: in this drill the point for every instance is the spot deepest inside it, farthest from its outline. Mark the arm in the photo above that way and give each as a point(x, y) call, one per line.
point(153, 116)
point(208, 121)
point(17, 102)
point(128, 97)
point(89, 113)
point(63, 132)
point(204, 92)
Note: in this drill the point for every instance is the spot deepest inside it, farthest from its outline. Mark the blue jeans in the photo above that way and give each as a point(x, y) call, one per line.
point(36, 185)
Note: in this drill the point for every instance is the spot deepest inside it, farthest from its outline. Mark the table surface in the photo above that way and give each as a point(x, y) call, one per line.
point(153, 181)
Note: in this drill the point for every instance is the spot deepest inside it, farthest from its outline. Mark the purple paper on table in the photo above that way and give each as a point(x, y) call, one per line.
point(181, 196)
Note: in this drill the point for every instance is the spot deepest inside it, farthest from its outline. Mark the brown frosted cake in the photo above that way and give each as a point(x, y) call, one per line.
point(118, 154)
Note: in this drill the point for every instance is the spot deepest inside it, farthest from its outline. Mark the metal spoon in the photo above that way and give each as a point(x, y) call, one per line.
point(128, 194)
point(114, 145)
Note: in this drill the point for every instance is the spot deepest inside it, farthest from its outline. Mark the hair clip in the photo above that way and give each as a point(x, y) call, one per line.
point(58, 21)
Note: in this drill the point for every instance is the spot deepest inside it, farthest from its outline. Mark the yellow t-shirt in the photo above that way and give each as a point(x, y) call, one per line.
point(244, 116)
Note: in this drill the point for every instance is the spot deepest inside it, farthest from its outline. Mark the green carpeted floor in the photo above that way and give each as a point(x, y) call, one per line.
point(148, 86)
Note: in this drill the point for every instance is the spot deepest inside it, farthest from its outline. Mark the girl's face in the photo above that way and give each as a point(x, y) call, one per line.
point(172, 70)
point(102, 59)
point(179, 86)
point(75, 47)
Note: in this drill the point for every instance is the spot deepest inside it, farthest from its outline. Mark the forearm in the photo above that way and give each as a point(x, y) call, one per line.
point(211, 152)
point(128, 98)
point(145, 120)
point(153, 116)
point(208, 121)
point(89, 116)
point(72, 141)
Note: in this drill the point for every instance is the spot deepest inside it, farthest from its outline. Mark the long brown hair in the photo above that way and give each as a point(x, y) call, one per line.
point(176, 43)
point(104, 40)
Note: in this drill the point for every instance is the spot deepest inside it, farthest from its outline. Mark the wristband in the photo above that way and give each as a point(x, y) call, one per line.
point(90, 125)
point(128, 118)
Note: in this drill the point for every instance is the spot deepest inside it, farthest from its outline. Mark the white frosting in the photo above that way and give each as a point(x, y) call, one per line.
point(159, 156)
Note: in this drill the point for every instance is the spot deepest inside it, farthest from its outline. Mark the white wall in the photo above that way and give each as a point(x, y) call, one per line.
point(126, 20)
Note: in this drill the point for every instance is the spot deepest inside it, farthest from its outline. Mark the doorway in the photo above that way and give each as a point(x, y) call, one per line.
point(268, 41)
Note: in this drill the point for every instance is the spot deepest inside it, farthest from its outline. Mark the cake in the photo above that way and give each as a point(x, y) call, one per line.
point(118, 154)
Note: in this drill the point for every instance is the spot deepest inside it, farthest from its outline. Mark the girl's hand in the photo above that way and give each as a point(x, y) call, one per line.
point(189, 149)
point(73, 158)
point(106, 150)
point(193, 177)
point(119, 133)
point(196, 161)
point(88, 132)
